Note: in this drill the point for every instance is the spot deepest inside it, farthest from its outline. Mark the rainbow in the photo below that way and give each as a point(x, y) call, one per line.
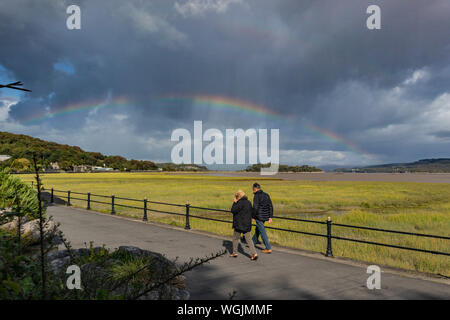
point(202, 100)
point(79, 107)
point(220, 102)
point(339, 139)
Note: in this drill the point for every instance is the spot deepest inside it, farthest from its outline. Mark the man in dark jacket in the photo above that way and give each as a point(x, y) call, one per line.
point(262, 212)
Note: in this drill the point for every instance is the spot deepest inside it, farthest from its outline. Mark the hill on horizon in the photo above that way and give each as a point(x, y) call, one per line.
point(439, 165)
point(21, 148)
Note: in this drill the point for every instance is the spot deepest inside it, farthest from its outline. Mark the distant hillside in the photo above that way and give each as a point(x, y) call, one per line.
point(283, 168)
point(426, 165)
point(21, 148)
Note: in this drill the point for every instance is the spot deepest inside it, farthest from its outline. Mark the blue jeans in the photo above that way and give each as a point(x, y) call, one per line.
point(260, 230)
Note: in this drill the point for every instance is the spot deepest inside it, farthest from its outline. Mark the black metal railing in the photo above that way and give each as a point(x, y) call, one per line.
point(113, 202)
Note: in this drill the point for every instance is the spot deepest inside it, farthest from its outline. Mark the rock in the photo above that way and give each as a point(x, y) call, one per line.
point(14, 224)
point(31, 229)
point(58, 264)
point(134, 251)
point(137, 252)
point(81, 252)
point(58, 254)
point(94, 271)
point(168, 293)
point(152, 295)
point(56, 240)
point(9, 226)
point(178, 294)
point(90, 267)
point(98, 250)
point(2, 211)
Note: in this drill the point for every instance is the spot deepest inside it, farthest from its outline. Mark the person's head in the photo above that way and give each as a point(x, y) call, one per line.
point(256, 187)
point(239, 194)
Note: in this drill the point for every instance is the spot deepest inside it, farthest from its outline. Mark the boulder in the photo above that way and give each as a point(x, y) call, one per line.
point(57, 254)
point(56, 240)
point(2, 211)
point(168, 292)
point(178, 294)
point(175, 290)
point(81, 252)
point(133, 251)
point(59, 264)
point(97, 250)
point(31, 229)
point(14, 224)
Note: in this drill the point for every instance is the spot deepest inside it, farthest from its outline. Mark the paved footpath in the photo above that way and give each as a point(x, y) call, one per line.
point(280, 275)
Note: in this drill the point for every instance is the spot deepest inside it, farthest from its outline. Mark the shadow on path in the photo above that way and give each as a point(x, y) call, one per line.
point(279, 275)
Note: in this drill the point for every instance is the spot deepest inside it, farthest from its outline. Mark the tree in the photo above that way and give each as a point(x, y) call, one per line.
point(21, 164)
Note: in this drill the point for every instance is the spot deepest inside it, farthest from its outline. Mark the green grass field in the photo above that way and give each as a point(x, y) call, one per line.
point(413, 207)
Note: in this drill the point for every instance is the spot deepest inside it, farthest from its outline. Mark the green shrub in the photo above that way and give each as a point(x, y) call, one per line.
point(18, 195)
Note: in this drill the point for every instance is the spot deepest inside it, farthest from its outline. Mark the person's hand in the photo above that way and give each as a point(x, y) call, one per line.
point(270, 220)
point(234, 200)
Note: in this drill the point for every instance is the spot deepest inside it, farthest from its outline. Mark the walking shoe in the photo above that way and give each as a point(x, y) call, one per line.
point(233, 255)
point(254, 257)
point(267, 251)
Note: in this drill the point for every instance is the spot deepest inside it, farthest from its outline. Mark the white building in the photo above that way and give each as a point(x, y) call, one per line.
point(102, 169)
point(54, 165)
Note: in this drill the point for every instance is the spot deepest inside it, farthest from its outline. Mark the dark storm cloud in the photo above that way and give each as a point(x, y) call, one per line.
point(310, 60)
point(445, 134)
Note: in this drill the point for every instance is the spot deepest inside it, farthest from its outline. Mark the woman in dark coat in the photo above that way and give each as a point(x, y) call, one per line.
point(242, 222)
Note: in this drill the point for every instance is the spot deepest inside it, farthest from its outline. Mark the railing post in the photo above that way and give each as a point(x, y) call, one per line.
point(329, 249)
point(187, 226)
point(145, 210)
point(88, 201)
point(51, 196)
point(112, 205)
point(68, 198)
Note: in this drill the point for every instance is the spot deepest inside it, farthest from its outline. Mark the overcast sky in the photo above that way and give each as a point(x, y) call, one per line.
point(345, 95)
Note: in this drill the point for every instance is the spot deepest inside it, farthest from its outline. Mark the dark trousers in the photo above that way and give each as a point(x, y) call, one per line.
point(237, 237)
